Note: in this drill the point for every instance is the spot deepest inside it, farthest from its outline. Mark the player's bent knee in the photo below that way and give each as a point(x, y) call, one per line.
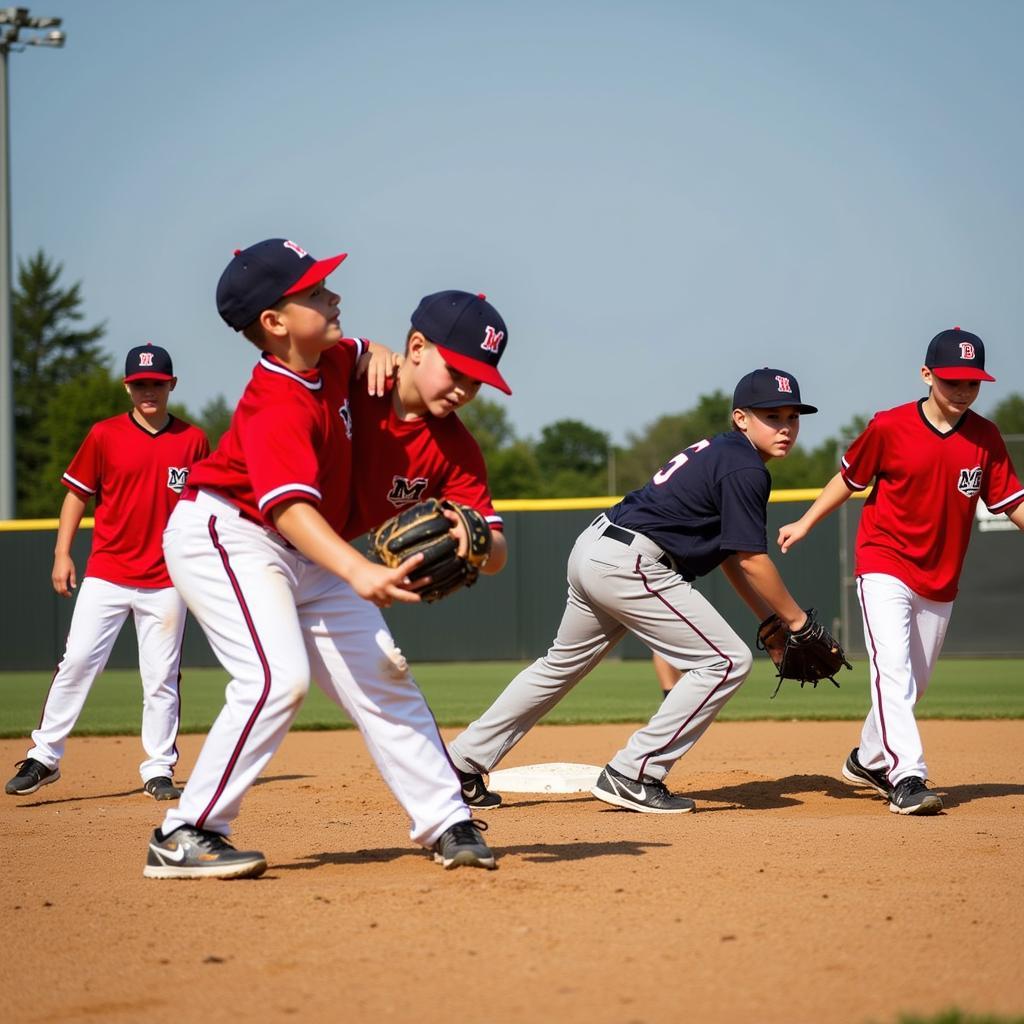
point(742, 659)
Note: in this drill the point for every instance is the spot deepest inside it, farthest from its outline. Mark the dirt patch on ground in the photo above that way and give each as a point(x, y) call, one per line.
point(789, 896)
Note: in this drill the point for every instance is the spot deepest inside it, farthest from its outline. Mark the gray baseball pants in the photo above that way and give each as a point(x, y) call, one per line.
point(614, 587)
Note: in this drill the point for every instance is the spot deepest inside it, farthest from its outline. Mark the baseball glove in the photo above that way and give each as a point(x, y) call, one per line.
point(808, 655)
point(425, 528)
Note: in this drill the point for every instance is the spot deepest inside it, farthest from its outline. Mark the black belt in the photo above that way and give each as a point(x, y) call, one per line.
point(626, 537)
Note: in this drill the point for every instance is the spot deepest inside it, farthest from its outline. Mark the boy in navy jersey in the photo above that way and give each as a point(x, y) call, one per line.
point(633, 569)
point(931, 461)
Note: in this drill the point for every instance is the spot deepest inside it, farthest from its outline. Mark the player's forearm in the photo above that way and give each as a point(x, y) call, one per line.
point(302, 525)
point(751, 597)
point(760, 573)
point(499, 554)
point(1017, 517)
point(833, 494)
point(71, 513)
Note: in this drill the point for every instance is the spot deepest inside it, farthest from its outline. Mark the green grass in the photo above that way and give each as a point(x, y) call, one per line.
point(958, 1017)
point(617, 691)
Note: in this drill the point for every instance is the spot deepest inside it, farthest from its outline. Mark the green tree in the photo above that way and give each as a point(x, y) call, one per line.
point(1008, 415)
point(50, 348)
point(488, 422)
point(214, 420)
point(513, 472)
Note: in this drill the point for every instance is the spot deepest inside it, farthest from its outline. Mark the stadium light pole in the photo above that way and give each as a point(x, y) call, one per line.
point(12, 21)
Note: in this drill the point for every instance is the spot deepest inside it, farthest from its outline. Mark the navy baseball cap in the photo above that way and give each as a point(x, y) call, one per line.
point(148, 362)
point(260, 276)
point(469, 332)
point(769, 389)
point(957, 355)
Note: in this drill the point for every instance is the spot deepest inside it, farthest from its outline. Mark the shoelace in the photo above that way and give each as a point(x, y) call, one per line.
point(912, 785)
point(468, 831)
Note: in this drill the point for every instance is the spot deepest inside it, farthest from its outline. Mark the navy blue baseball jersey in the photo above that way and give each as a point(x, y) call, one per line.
point(703, 505)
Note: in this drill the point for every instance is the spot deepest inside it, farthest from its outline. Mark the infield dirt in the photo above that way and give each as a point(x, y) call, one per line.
point(790, 896)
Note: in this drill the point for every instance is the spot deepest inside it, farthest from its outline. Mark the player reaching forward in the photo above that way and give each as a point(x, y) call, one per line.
point(135, 466)
point(930, 460)
point(633, 569)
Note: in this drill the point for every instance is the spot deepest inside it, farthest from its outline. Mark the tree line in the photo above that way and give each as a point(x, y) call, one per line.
point(63, 383)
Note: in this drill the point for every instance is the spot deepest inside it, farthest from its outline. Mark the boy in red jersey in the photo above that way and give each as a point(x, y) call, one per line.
point(931, 460)
point(256, 551)
point(412, 444)
point(135, 466)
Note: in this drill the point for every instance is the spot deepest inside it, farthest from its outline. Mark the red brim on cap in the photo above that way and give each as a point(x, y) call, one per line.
point(960, 373)
point(483, 372)
point(316, 273)
point(144, 375)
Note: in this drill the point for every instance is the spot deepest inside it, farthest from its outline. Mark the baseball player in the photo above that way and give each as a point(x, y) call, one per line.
point(930, 460)
point(134, 465)
point(255, 549)
point(633, 569)
point(412, 444)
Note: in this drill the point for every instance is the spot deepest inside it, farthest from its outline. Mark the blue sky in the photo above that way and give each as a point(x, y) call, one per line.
point(658, 196)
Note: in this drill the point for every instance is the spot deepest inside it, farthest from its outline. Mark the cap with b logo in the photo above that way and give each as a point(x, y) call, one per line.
point(769, 389)
point(148, 362)
point(260, 276)
point(957, 355)
point(469, 332)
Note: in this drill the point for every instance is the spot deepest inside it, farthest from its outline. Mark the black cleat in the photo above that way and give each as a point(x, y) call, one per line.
point(462, 844)
point(475, 793)
point(162, 788)
point(647, 795)
point(855, 772)
point(912, 796)
point(31, 775)
point(190, 852)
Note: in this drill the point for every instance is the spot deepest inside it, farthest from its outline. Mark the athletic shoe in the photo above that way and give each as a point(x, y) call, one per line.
point(195, 853)
point(162, 788)
point(463, 844)
point(475, 793)
point(912, 796)
point(876, 778)
point(31, 775)
point(647, 795)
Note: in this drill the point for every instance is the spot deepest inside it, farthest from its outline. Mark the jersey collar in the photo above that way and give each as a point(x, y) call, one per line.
point(934, 429)
point(309, 379)
point(151, 433)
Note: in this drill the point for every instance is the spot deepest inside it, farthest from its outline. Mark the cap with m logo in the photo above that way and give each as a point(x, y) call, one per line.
point(148, 362)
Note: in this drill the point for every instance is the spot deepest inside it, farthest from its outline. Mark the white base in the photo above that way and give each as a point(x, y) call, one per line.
point(545, 778)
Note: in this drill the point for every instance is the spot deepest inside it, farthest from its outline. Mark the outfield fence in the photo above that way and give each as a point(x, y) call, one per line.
point(514, 615)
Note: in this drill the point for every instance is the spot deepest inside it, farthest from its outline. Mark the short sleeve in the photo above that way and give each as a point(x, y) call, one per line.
point(863, 458)
point(281, 455)
point(84, 474)
point(744, 510)
point(466, 483)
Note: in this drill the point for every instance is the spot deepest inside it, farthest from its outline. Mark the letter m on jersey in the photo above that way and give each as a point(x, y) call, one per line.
point(177, 478)
point(970, 482)
point(405, 491)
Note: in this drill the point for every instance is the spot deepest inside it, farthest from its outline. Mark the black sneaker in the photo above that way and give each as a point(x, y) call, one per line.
point(162, 788)
point(876, 778)
point(463, 844)
point(31, 775)
point(195, 853)
point(475, 793)
point(647, 795)
point(912, 796)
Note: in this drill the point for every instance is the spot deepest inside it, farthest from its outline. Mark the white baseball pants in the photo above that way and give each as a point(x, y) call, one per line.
point(100, 611)
point(903, 633)
point(275, 619)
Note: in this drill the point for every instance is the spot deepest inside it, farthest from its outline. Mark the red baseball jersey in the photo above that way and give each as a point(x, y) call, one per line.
point(290, 437)
point(916, 524)
point(136, 478)
point(399, 462)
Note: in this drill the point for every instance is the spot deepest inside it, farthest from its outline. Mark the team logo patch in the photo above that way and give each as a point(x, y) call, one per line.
point(785, 387)
point(970, 482)
point(346, 417)
point(145, 359)
point(966, 350)
point(177, 478)
point(297, 249)
point(405, 491)
point(492, 340)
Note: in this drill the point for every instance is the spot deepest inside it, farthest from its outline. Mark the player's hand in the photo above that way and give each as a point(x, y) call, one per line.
point(377, 364)
point(790, 534)
point(383, 586)
point(458, 531)
point(63, 575)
